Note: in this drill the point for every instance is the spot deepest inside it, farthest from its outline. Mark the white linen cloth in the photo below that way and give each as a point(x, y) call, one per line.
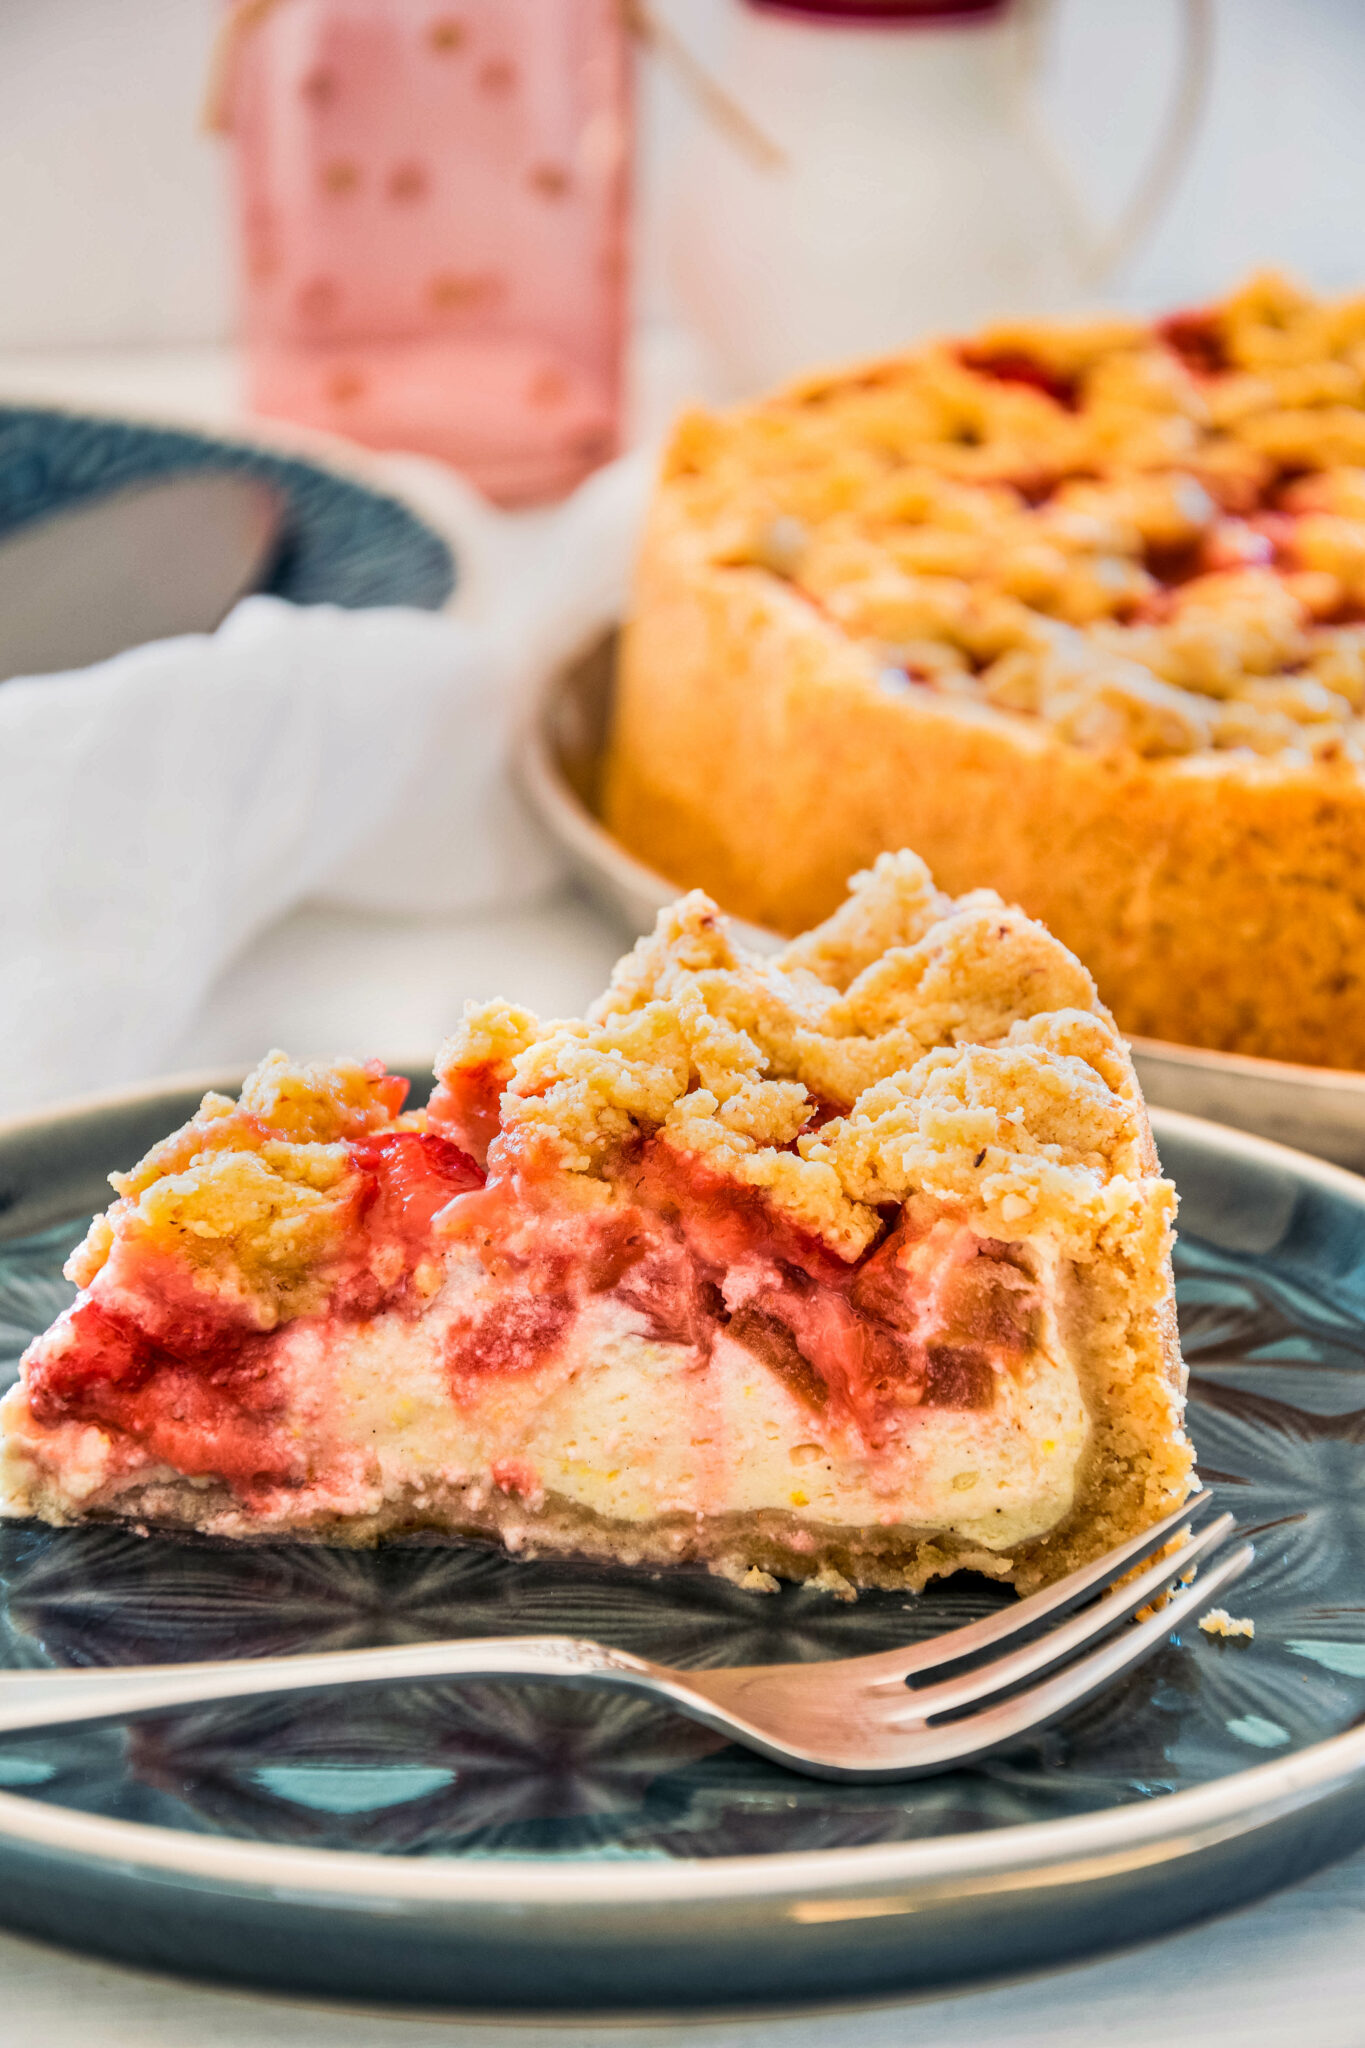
point(158, 810)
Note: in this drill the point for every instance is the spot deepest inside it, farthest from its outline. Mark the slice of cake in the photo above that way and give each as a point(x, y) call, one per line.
point(850, 1263)
point(1076, 610)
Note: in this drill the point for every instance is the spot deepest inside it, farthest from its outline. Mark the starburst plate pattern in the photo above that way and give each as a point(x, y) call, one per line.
point(572, 1788)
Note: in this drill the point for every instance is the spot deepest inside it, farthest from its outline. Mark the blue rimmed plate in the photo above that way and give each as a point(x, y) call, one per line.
point(346, 538)
point(527, 1846)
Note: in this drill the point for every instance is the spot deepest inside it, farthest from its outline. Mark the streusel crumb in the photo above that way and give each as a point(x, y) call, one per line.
point(1218, 1622)
point(255, 1195)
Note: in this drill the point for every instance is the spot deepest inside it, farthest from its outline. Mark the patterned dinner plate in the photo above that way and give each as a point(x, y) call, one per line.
point(496, 1845)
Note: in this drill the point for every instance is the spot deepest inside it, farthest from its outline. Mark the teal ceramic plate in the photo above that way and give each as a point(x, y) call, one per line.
point(530, 1846)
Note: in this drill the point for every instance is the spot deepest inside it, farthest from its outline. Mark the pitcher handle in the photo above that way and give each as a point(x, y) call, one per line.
point(1099, 251)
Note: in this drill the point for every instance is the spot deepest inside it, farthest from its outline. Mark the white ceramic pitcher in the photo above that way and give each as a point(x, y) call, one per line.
point(896, 177)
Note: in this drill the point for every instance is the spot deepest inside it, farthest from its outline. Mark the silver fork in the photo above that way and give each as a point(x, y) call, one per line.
point(851, 1717)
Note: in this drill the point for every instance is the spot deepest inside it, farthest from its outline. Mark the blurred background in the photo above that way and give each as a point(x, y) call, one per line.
point(117, 234)
point(502, 261)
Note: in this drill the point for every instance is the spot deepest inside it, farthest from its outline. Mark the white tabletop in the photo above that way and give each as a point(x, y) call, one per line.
point(1289, 1971)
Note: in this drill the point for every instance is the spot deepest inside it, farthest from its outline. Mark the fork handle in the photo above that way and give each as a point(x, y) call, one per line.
point(45, 1699)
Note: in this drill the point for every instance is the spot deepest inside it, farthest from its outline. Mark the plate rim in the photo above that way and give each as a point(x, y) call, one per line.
point(998, 1859)
point(276, 439)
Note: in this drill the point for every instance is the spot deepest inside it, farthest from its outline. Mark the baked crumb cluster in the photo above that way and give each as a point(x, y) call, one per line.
point(1218, 1622)
point(256, 1197)
point(1148, 536)
point(912, 1047)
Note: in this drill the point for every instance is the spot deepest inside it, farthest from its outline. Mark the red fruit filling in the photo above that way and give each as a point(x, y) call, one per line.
point(1197, 339)
point(390, 1089)
point(209, 1411)
point(696, 1255)
point(409, 1177)
point(187, 1376)
point(1012, 366)
point(467, 1105)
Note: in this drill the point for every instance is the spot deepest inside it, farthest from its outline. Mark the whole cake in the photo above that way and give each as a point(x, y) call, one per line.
point(850, 1264)
point(1076, 610)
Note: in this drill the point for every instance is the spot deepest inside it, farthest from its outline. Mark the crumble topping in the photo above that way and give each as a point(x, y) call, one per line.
point(1218, 1622)
point(1142, 536)
point(911, 1046)
point(256, 1197)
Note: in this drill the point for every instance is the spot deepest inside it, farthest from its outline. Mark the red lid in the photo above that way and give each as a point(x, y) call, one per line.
point(889, 12)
